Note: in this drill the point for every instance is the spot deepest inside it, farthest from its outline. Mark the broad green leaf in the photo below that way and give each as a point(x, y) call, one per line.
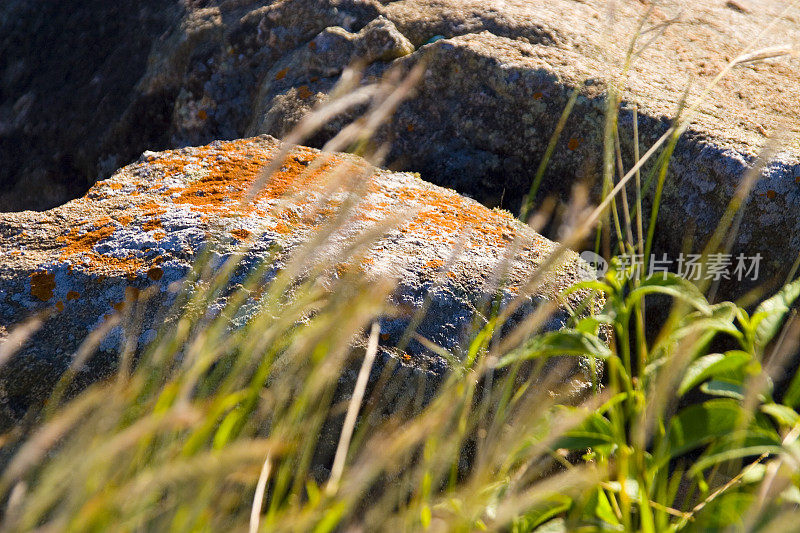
point(598, 506)
point(710, 366)
point(760, 432)
point(792, 495)
point(781, 413)
point(735, 453)
point(541, 517)
point(700, 424)
point(754, 473)
point(721, 319)
point(589, 324)
point(792, 396)
point(725, 512)
point(556, 525)
point(770, 314)
point(593, 432)
point(723, 389)
point(562, 342)
point(672, 285)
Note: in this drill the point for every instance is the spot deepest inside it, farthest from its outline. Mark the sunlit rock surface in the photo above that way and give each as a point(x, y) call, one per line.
point(142, 229)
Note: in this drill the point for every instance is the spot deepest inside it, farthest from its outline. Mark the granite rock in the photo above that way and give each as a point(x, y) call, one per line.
point(141, 230)
point(499, 75)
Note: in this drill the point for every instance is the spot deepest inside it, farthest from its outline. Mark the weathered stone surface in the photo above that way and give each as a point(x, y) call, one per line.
point(500, 74)
point(495, 88)
point(145, 225)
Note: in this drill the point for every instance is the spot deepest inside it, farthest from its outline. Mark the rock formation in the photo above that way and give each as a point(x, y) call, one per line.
point(142, 229)
point(499, 75)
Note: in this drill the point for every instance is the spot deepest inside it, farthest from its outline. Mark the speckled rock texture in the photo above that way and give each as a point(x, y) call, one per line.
point(500, 73)
point(143, 227)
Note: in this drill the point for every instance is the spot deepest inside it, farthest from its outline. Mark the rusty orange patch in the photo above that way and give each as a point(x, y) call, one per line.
point(304, 92)
point(240, 233)
point(78, 242)
point(155, 273)
point(282, 74)
point(72, 295)
point(152, 224)
point(42, 285)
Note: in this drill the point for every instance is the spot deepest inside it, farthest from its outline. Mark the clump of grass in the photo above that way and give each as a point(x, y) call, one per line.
point(258, 428)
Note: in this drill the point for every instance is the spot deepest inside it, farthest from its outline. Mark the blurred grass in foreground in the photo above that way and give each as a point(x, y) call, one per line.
point(216, 429)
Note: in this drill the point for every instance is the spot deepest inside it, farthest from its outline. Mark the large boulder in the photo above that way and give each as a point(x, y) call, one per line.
point(146, 225)
point(499, 75)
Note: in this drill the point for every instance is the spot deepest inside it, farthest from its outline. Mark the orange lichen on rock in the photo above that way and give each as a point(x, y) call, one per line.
point(240, 233)
point(282, 228)
point(81, 242)
point(214, 183)
point(152, 224)
point(42, 285)
point(72, 295)
point(304, 92)
point(446, 214)
point(219, 192)
point(78, 240)
point(151, 209)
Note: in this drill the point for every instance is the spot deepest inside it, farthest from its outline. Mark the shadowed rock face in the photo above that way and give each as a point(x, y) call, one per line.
point(500, 74)
point(68, 71)
point(143, 227)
